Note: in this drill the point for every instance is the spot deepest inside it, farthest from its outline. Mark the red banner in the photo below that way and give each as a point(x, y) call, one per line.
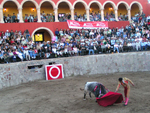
point(87, 25)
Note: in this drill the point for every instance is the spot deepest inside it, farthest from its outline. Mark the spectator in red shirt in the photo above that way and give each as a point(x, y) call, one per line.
point(12, 41)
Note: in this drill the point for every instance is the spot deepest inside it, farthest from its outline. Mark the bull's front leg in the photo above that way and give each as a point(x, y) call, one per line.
point(90, 94)
point(84, 95)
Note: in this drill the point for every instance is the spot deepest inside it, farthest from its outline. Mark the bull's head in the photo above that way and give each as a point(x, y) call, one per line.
point(100, 95)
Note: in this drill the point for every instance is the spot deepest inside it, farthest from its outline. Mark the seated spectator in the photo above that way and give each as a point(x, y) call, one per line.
point(31, 53)
point(129, 44)
point(19, 55)
point(79, 49)
point(103, 48)
point(41, 53)
point(7, 33)
point(95, 48)
point(65, 52)
point(143, 45)
point(11, 55)
point(48, 52)
point(91, 48)
point(107, 47)
point(27, 55)
point(23, 55)
point(1, 57)
point(60, 51)
point(138, 45)
point(75, 50)
point(70, 50)
point(99, 48)
point(116, 47)
point(54, 50)
point(6, 56)
point(134, 45)
point(83, 50)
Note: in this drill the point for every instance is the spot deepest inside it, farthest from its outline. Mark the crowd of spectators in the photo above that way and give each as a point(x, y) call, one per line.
point(123, 17)
point(11, 19)
point(19, 46)
point(30, 18)
point(109, 16)
point(62, 17)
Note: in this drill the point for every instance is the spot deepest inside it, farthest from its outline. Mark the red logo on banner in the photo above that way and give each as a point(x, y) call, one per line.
point(54, 72)
point(100, 24)
point(87, 25)
point(73, 23)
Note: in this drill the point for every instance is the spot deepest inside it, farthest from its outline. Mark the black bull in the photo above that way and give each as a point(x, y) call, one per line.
point(96, 88)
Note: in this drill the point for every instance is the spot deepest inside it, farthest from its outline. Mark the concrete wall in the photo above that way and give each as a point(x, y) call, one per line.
point(17, 73)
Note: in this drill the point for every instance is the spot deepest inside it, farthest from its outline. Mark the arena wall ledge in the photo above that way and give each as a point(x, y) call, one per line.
point(17, 73)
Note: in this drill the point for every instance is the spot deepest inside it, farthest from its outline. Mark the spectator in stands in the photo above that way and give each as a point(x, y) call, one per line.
point(138, 45)
point(129, 38)
point(1, 57)
point(103, 48)
point(91, 48)
point(7, 33)
point(116, 47)
point(70, 50)
point(107, 47)
point(54, 50)
point(5, 18)
point(6, 56)
point(27, 55)
point(26, 18)
point(14, 18)
point(30, 18)
point(129, 46)
point(143, 45)
point(8, 19)
point(11, 55)
point(75, 50)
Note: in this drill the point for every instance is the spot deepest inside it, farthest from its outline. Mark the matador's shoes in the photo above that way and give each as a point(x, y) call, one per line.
point(126, 101)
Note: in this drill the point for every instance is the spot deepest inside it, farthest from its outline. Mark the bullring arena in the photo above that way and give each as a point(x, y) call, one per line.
point(65, 96)
point(31, 33)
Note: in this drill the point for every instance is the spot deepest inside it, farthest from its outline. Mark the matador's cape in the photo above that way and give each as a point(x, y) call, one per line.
point(109, 99)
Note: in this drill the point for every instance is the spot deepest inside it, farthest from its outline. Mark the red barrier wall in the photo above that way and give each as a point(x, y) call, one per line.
point(50, 25)
point(118, 24)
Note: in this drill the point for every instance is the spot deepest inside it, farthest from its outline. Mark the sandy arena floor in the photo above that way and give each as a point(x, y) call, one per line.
point(64, 96)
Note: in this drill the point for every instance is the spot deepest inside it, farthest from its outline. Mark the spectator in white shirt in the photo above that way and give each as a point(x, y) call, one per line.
point(75, 50)
point(129, 46)
point(116, 47)
point(138, 34)
point(26, 52)
point(134, 45)
point(138, 45)
point(120, 46)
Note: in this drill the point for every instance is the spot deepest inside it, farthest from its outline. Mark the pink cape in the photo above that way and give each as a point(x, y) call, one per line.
point(109, 99)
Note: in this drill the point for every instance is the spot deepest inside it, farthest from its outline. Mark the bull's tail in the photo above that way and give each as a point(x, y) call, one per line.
point(81, 89)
